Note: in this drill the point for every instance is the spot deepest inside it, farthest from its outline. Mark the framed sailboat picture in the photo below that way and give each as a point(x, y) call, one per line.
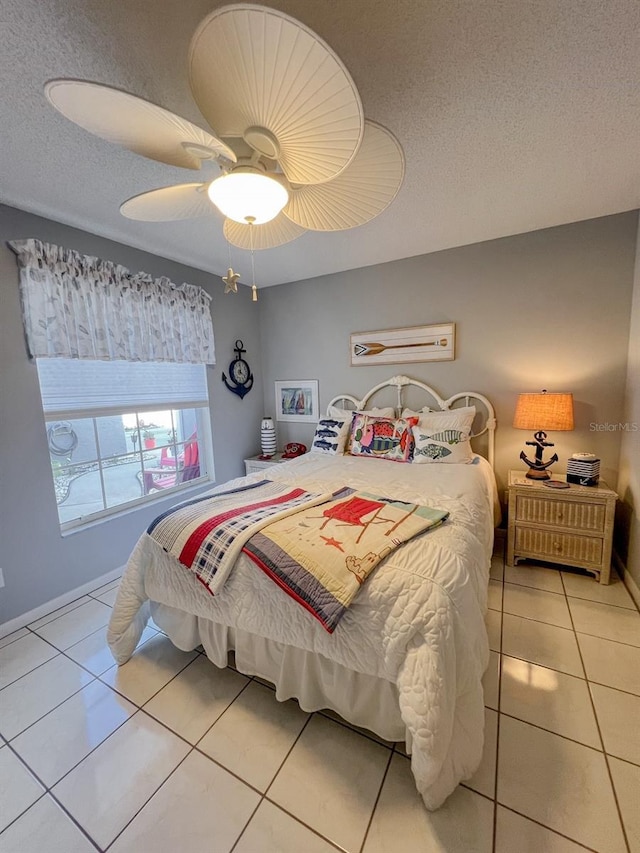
point(400, 346)
point(297, 400)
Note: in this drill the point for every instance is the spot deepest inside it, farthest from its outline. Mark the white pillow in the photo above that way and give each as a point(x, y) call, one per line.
point(331, 435)
point(410, 413)
point(444, 436)
point(347, 414)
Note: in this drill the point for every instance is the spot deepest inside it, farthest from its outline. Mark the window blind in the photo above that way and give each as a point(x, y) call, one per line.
point(83, 388)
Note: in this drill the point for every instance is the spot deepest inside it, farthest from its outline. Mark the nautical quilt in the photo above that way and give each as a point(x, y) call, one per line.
point(322, 555)
point(207, 534)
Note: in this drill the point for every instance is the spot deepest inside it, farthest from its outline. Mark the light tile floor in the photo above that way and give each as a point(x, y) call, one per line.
point(168, 753)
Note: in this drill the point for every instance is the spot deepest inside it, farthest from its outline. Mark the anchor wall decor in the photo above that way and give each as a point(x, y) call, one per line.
point(239, 373)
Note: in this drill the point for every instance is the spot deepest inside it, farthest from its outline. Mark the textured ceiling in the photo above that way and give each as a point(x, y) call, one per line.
point(514, 115)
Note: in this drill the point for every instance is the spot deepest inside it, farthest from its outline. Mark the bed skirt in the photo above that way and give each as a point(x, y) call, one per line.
point(313, 680)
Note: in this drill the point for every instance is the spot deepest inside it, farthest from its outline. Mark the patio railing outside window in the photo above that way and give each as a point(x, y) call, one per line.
point(122, 433)
point(103, 463)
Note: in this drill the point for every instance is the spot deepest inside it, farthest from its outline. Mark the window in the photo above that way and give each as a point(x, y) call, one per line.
point(121, 433)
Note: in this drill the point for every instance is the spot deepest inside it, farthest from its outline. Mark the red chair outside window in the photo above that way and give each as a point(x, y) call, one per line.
point(187, 468)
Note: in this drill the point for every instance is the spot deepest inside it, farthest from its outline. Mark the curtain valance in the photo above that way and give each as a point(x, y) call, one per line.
point(75, 306)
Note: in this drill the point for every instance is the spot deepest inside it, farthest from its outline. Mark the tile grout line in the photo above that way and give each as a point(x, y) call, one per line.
point(556, 734)
point(289, 751)
point(624, 760)
point(544, 826)
point(607, 639)
point(377, 800)
point(148, 800)
point(497, 755)
point(75, 692)
point(525, 722)
point(466, 785)
point(140, 708)
point(606, 758)
point(136, 706)
point(298, 819)
point(67, 609)
point(49, 792)
point(538, 621)
point(153, 695)
point(58, 651)
point(246, 826)
point(570, 674)
point(11, 642)
point(263, 794)
point(577, 597)
point(55, 707)
point(33, 669)
point(345, 724)
point(71, 769)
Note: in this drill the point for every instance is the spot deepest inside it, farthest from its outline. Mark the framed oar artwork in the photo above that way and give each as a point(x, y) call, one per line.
point(400, 346)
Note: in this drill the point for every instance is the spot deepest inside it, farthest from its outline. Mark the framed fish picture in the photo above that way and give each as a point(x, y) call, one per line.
point(400, 346)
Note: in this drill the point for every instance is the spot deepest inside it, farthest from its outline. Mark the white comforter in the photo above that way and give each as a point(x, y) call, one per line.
point(417, 622)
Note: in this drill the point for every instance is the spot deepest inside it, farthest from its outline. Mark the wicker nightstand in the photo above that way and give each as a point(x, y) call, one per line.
point(571, 526)
point(254, 463)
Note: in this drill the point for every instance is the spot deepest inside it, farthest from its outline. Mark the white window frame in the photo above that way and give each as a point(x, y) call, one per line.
point(56, 413)
point(206, 455)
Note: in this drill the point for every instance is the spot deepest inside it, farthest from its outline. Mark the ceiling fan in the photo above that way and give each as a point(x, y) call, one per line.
point(291, 145)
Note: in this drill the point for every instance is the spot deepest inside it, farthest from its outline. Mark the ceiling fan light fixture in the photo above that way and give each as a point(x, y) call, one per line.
point(247, 195)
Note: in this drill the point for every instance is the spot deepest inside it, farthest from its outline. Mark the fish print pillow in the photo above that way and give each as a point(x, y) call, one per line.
point(444, 437)
point(331, 436)
point(382, 438)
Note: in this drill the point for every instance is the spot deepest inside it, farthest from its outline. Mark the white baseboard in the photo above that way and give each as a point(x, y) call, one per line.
point(627, 579)
point(38, 612)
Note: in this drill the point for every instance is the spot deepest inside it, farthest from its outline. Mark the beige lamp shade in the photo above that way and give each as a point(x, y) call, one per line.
point(544, 411)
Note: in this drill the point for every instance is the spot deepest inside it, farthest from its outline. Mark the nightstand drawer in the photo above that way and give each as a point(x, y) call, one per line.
point(572, 515)
point(558, 547)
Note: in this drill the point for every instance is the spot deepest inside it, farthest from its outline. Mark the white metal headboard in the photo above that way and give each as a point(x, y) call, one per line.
point(401, 382)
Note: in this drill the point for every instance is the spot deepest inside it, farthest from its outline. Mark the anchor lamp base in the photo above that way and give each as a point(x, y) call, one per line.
point(538, 468)
point(532, 474)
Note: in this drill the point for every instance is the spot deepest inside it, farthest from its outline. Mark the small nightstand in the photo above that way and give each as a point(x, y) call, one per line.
point(256, 464)
point(571, 526)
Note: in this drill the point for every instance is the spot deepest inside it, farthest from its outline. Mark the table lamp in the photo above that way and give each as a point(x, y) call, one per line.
point(542, 412)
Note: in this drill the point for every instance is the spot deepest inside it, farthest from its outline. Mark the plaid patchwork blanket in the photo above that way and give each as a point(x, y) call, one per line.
point(207, 534)
point(321, 556)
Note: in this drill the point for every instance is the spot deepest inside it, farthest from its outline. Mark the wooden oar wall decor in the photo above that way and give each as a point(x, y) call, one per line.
point(397, 346)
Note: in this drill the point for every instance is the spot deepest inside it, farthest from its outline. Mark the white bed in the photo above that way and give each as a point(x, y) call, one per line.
point(407, 659)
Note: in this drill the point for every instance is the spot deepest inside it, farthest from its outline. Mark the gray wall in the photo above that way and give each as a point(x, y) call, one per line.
point(628, 527)
point(38, 563)
point(549, 309)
